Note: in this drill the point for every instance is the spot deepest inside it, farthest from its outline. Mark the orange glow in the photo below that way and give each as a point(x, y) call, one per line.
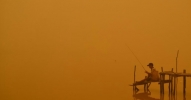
point(75, 49)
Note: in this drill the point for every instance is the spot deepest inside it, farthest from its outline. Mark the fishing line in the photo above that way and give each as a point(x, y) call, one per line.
point(135, 57)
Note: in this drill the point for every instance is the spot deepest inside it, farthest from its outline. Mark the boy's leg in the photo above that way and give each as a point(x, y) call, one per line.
point(146, 78)
point(141, 81)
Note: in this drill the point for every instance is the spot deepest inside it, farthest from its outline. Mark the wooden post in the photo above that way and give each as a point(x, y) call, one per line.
point(175, 78)
point(171, 82)
point(145, 85)
point(134, 72)
point(134, 77)
point(161, 97)
point(176, 61)
point(184, 83)
point(161, 81)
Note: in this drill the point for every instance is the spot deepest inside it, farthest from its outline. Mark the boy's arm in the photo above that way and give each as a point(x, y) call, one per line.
point(148, 73)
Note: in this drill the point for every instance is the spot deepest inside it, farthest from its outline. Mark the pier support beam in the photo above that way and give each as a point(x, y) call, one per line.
point(134, 79)
point(174, 90)
point(170, 83)
point(184, 83)
point(162, 76)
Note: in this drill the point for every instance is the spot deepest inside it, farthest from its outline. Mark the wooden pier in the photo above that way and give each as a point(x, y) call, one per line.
point(174, 77)
point(163, 80)
point(171, 80)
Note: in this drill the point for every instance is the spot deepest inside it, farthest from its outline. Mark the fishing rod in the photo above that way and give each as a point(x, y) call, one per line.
point(135, 57)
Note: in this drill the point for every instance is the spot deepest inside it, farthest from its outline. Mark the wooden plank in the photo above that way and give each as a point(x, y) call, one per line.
point(183, 74)
point(177, 74)
point(142, 83)
point(135, 84)
point(167, 72)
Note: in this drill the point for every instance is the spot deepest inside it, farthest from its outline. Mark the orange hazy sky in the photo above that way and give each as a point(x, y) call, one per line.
point(76, 49)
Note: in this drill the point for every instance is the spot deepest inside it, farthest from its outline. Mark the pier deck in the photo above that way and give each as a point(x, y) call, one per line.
point(173, 78)
point(172, 81)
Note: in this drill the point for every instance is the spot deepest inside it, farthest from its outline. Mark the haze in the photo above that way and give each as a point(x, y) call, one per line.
point(76, 49)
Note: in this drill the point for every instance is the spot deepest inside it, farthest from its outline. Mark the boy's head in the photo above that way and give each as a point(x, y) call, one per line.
point(150, 65)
